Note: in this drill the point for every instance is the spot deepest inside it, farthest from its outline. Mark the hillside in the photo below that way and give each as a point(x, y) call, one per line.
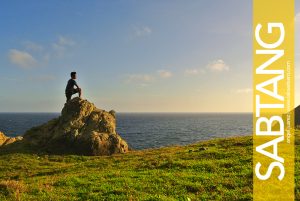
point(219, 169)
point(214, 170)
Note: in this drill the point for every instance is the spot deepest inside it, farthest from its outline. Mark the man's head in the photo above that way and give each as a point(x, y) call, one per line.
point(73, 75)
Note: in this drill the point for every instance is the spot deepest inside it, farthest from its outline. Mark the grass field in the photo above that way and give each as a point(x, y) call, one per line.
point(219, 169)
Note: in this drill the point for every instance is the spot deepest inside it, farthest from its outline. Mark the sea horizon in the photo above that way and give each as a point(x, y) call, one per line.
point(138, 112)
point(144, 130)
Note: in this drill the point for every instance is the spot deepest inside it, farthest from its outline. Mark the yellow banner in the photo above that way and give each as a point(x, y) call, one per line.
point(273, 84)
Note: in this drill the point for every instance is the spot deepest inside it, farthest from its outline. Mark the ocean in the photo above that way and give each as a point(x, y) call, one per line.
point(150, 130)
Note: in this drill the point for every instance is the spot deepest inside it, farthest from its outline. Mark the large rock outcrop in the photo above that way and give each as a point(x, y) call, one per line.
point(81, 129)
point(297, 117)
point(4, 140)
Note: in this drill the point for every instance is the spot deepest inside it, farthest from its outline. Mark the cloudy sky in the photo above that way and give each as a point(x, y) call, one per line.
point(130, 56)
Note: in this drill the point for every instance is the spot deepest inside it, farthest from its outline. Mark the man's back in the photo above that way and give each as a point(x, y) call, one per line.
point(70, 85)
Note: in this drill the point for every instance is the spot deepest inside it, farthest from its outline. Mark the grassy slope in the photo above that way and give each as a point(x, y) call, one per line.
point(214, 170)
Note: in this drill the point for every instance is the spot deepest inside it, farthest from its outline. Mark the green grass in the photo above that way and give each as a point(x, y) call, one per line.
point(219, 169)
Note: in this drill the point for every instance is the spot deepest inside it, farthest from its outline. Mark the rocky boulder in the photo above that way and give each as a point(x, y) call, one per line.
point(81, 129)
point(4, 140)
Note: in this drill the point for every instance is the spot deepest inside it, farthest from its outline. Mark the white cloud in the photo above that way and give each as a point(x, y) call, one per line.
point(244, 91)
point(142, 31)
point(164, 73)
point(59, 50)
point(62, 44)
point(194, 71)
point(218, 66)
point(22, 59)
point(64, 41)
point(29, 45)
point(146, 79)
point(139, 78)
point(35, 54)
point(191, 72)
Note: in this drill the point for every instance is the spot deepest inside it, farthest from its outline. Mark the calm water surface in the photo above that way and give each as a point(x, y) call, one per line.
point(150, 130)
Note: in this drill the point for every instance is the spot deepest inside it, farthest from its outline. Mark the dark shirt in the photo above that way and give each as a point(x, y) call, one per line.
point(70, 85)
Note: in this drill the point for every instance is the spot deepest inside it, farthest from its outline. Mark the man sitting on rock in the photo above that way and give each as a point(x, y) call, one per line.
point(70, 90)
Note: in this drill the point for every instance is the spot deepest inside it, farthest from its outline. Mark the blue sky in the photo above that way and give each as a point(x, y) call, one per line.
point(131, 56)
